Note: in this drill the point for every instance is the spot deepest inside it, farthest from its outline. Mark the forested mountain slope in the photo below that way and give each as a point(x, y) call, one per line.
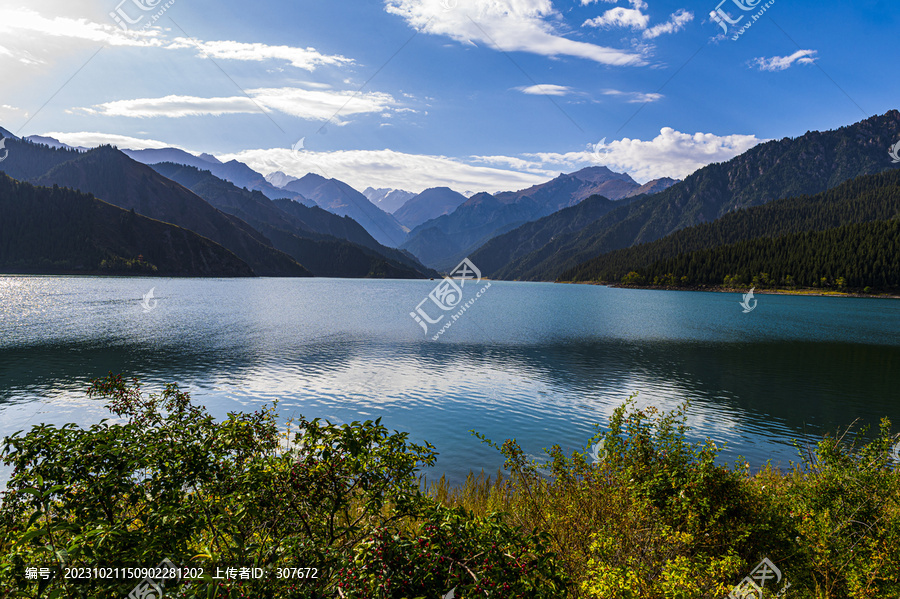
point(58, 230)
point(809, 164)
point(861, 200)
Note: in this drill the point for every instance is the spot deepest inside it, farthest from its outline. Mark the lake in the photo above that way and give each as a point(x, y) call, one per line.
point(541, 363)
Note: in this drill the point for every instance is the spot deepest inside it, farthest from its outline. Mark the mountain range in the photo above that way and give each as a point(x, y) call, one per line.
point(566, 226)
point(111, 175)
point(431, 203)
point(279, 179)
point(441, 242)
point(452, 238)
point(53, 143)
point(387, 199)
point(809, 164)
point(234, 171)
point(508, 247)
point(299, 230)
point(776, 239)
point(339, 198)
point(60, 231)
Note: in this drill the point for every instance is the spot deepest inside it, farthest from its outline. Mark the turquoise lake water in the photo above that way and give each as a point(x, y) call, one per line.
point(541, 363)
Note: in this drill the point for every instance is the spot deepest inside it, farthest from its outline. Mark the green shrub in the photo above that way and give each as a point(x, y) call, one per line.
point(845, 505)
point(660, 516)
point(168, 481)
point(652, 515)
point(449, 550)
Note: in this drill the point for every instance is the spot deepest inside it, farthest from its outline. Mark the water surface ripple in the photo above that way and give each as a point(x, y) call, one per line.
point(538, 362)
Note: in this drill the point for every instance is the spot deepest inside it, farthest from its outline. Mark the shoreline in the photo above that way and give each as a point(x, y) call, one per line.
point(806, 291)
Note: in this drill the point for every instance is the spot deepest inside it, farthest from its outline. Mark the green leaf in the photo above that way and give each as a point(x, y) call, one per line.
point(33, 534)
point(31, 491)
point(33, 518)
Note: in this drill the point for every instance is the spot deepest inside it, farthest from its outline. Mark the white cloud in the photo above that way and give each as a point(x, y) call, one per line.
point(314, 105)
point(620, 17)
point(11, 114)
point(89, 139)
point(634, 97)
point(174, 107)
point(387, 168)
point(636, 18)
point(507, 25)
point(29, 24)
point(638, 4)
point(676, 22)
point(546, 89)
point(320, 105)
point(6, 108)
point(23, 22)
point(670, 154)
point(780, 63)
point(519, 164)
point(302, 58)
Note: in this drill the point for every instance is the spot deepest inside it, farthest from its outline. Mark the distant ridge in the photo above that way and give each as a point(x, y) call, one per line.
point(427, 205)
point(279, 179)
point(234, 171)
point(327, 244)
point(339, 198)
point(441, 242)
point(389, 200)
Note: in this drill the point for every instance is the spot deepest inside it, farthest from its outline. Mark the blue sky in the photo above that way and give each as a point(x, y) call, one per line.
point(473, 94)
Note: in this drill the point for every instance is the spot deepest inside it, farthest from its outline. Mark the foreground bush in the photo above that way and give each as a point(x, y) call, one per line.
point(451, 551)
point(167, 481)
point(649, 515)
